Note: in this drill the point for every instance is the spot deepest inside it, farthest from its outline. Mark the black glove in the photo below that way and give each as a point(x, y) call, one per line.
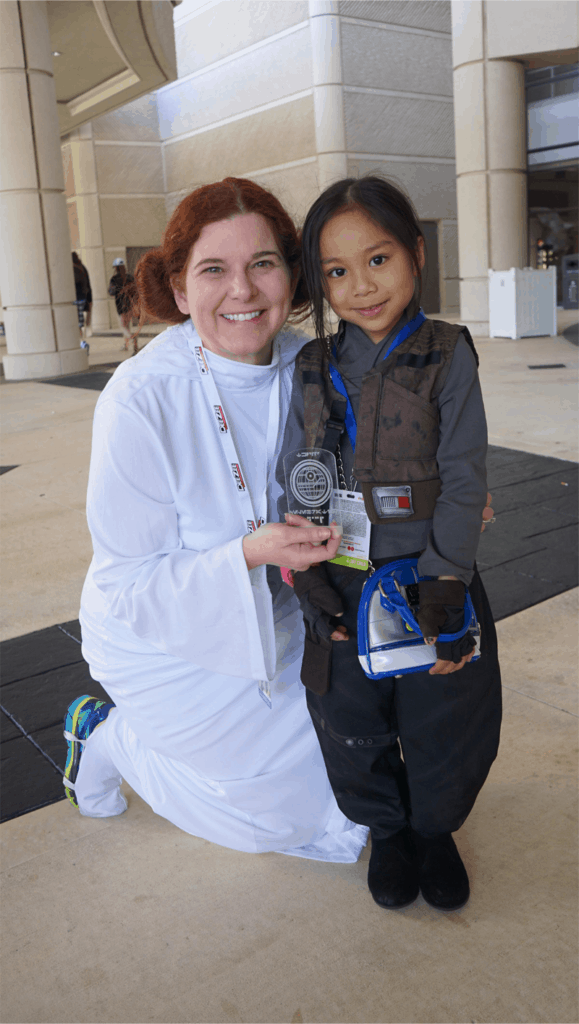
point(441, 610)
point(319, 601)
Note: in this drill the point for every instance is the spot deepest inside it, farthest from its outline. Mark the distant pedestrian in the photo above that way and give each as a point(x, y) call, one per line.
point(83, 301)
point(118, 288)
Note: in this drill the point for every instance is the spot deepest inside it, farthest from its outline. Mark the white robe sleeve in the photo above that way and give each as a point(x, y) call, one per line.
point(195, 605)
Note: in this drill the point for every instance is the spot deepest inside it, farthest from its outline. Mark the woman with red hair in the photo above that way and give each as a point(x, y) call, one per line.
point(185, 620)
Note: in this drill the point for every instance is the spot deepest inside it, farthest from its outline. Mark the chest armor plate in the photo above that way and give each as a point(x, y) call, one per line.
point(398, 420)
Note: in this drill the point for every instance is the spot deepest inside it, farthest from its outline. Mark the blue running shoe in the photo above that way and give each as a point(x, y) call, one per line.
point(82, 718)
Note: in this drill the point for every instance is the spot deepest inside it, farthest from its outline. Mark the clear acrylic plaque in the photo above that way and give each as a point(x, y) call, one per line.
point(311, 476)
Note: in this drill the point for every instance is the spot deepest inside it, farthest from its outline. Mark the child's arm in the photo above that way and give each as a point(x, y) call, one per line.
point(461, 455)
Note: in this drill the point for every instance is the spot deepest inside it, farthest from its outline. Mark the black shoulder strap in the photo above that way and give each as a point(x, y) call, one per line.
point(335, 424)
point(468, 338)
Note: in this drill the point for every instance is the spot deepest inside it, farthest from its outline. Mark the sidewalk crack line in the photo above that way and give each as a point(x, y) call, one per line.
point(528, 695)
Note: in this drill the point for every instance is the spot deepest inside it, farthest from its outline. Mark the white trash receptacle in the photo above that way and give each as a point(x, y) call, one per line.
point(522, 303)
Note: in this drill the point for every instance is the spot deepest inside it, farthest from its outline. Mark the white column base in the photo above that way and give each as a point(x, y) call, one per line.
point(100, 316)
point(45, 364)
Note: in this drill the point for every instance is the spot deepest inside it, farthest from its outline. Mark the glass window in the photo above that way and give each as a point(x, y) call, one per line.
point(565, 86)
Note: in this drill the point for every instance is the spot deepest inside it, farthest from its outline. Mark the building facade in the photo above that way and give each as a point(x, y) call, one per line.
point(293, 95)
point(469, 105)
point(298, 93)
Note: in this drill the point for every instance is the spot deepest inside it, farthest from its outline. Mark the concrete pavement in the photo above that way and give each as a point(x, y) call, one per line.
point(130, 920)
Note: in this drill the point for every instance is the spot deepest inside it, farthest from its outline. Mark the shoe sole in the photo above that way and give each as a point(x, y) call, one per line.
point(399, 906)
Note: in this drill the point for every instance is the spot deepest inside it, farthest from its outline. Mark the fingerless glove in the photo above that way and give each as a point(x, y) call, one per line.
point(441, 610)
point(319, 601)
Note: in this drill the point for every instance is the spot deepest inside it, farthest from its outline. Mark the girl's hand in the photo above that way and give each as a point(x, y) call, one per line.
point(488, 512)
point(445, 668)
point(341, 633)
point(295, 545)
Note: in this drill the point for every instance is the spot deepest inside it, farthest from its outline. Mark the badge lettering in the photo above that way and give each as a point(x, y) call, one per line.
point(250, 526)
point(220, 417)
point(201, 361)
point(238, 476)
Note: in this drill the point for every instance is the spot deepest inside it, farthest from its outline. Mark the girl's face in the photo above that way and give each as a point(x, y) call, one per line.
point(238, 289)
point(368, 274)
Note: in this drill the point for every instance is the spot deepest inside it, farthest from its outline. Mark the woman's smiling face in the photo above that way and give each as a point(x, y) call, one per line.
point(369, 275)
point(238, 289)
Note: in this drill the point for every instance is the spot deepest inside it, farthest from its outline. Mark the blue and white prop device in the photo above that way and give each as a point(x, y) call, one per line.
point(390, 642)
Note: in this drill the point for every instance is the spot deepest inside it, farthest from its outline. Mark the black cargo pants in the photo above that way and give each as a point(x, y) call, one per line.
point(447, 728)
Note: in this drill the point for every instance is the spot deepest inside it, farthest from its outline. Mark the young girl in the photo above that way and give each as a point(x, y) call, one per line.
point(397, 399)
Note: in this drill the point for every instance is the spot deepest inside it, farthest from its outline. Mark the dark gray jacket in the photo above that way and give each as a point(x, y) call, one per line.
point(449, 540)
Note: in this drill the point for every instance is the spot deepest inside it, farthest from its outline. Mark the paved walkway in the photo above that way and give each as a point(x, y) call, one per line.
point(130, 920)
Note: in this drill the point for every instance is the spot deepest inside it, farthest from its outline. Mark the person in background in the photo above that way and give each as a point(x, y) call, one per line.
point(83, 301)
point(123, 296)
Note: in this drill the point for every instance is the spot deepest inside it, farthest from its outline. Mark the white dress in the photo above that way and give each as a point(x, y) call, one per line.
point(176, 628)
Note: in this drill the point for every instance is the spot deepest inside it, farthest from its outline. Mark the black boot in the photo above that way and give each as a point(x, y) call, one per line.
point(392, 872)
point(443, 878)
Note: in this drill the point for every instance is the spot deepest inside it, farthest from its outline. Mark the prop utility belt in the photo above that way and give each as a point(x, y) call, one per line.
point(390, 641)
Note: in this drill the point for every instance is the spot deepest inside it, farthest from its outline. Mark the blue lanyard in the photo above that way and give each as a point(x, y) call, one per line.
point(338, 383)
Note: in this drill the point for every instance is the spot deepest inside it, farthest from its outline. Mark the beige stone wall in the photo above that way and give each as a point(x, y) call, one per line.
point(278, 69)
point(270, 138)
point(205, 39)
point(129, 169)
point(243, 104)
point(398, 111)
point(419, 14)
point(135, 122)
point(524, 28)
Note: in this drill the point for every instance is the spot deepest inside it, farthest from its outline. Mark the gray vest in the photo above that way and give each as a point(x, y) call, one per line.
point(397, 436)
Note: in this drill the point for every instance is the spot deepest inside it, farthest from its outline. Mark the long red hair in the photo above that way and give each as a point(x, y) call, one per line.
point(153, 299)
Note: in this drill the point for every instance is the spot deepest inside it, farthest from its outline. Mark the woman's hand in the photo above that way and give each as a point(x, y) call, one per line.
point(296, 545)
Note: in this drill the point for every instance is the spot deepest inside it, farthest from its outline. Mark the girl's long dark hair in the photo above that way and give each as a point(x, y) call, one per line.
point(383, 203)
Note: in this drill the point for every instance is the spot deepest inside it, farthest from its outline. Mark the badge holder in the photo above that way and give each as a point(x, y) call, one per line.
point(390, 642)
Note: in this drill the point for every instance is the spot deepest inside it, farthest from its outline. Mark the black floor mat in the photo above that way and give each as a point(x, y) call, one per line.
point(93, 381)
point(42, 673)
point(530, 553)
point(571, 333)
point(527, 556)
point(6, 469)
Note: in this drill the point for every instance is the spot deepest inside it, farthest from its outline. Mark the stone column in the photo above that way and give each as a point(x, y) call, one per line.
point(328, 95)
point(36, 277)
point(491, 161)
point(89, 222)
point(448, 264)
